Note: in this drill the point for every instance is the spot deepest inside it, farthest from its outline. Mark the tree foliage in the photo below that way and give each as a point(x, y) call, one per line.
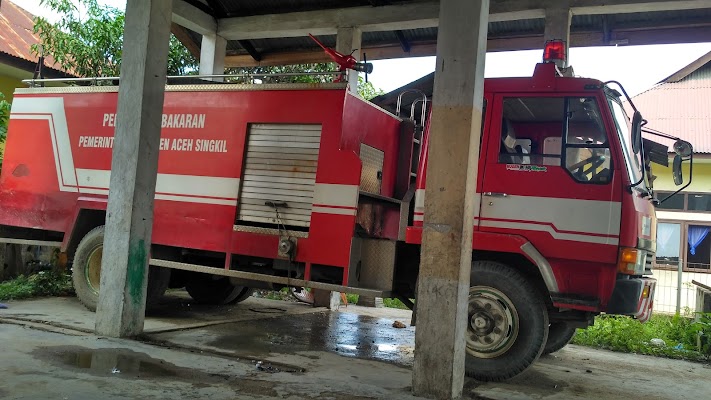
point(88, 38)
point(303, 73)
point(4, 117)
point(366, 90)
point(4, 120)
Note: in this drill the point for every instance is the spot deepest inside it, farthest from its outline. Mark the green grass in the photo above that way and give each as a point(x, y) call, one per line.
point(352, 298)
point(282, 294)
point(45, 283)
point(625, 334)
point(387, 302)
point(394, 303)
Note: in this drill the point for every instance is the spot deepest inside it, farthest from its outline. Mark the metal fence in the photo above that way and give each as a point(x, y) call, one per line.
point(674, 294)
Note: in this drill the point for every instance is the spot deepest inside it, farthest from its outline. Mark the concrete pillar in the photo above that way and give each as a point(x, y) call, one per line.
point(212, 56)
point(558, 27)
point(129, 218)
point(347, 40)
point(450, 204)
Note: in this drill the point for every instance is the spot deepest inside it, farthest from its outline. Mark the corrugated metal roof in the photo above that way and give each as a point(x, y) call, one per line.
point(16, 36)
point(588, 22)
point(423, 34)
point(681, 108)
point(523, 26)
point(682, 16)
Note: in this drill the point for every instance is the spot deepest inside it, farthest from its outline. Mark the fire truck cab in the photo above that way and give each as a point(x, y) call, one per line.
point(272, 185)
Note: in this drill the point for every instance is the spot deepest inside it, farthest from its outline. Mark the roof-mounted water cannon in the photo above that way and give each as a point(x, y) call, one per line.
point(345, 62)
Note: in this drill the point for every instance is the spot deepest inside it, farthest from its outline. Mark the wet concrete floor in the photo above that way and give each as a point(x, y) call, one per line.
point(269, 349)
point(176, 311)
point(345, 334)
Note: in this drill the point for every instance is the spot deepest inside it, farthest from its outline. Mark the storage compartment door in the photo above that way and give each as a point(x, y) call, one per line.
point(280, 169)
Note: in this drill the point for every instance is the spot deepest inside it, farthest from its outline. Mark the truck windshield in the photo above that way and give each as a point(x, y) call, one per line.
point(624, 127)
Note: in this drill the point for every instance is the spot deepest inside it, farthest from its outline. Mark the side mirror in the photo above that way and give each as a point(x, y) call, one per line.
point(637, 132)
point(676, 170)
point(683, 148)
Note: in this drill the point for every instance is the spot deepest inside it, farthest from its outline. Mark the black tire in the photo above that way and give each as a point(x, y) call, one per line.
point(508, 323)
point(559, 335)
point(214, 289)
point(246, 293)
point(86, 272)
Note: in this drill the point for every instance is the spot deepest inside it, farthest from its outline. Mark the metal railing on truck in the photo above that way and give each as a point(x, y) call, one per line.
point(250, 78)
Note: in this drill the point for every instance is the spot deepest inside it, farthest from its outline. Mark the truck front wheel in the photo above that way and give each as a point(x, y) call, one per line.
point(507, 323)
point(86, 272)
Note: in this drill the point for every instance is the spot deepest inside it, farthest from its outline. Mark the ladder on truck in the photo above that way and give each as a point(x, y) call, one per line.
point(419, 126)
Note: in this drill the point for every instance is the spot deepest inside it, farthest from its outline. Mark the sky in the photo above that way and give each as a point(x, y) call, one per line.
point(638, 68)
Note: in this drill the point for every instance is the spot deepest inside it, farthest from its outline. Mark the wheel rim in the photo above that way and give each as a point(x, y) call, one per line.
point(493, 322)
point(93, 269)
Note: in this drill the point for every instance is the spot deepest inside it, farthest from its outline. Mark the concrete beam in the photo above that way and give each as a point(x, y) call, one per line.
point(212, 56)
point(450, 201)
point(326, 22)
point(348, 40)
point(193, 18)
point(620, 35)
point(420, 15)
point(129, 217)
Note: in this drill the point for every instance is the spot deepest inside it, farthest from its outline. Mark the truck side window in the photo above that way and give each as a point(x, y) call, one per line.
point(546, 130)
point(531, 130)
point(587, 152)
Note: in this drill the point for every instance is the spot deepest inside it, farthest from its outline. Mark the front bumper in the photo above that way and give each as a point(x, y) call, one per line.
point(633, 297)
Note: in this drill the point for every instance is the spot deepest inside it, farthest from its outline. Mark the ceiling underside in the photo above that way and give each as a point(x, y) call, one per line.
point(631, 28)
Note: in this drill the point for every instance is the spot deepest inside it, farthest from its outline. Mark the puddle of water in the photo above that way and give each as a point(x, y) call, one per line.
point(343, 333)
point(121, 363)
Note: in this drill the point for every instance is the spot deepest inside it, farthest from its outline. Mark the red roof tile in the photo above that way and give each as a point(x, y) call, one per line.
point(16, 37)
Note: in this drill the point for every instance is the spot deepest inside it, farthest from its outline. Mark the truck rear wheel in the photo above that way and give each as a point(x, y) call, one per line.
point(559, 335)
point(215, 289)
point(507, 323)
point(244, 295)
point(86, 272)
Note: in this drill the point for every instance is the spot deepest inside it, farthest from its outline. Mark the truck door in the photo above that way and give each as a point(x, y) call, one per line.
point(550, 176)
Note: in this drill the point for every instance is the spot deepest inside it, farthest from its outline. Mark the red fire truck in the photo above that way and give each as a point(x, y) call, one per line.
point(307, 185)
